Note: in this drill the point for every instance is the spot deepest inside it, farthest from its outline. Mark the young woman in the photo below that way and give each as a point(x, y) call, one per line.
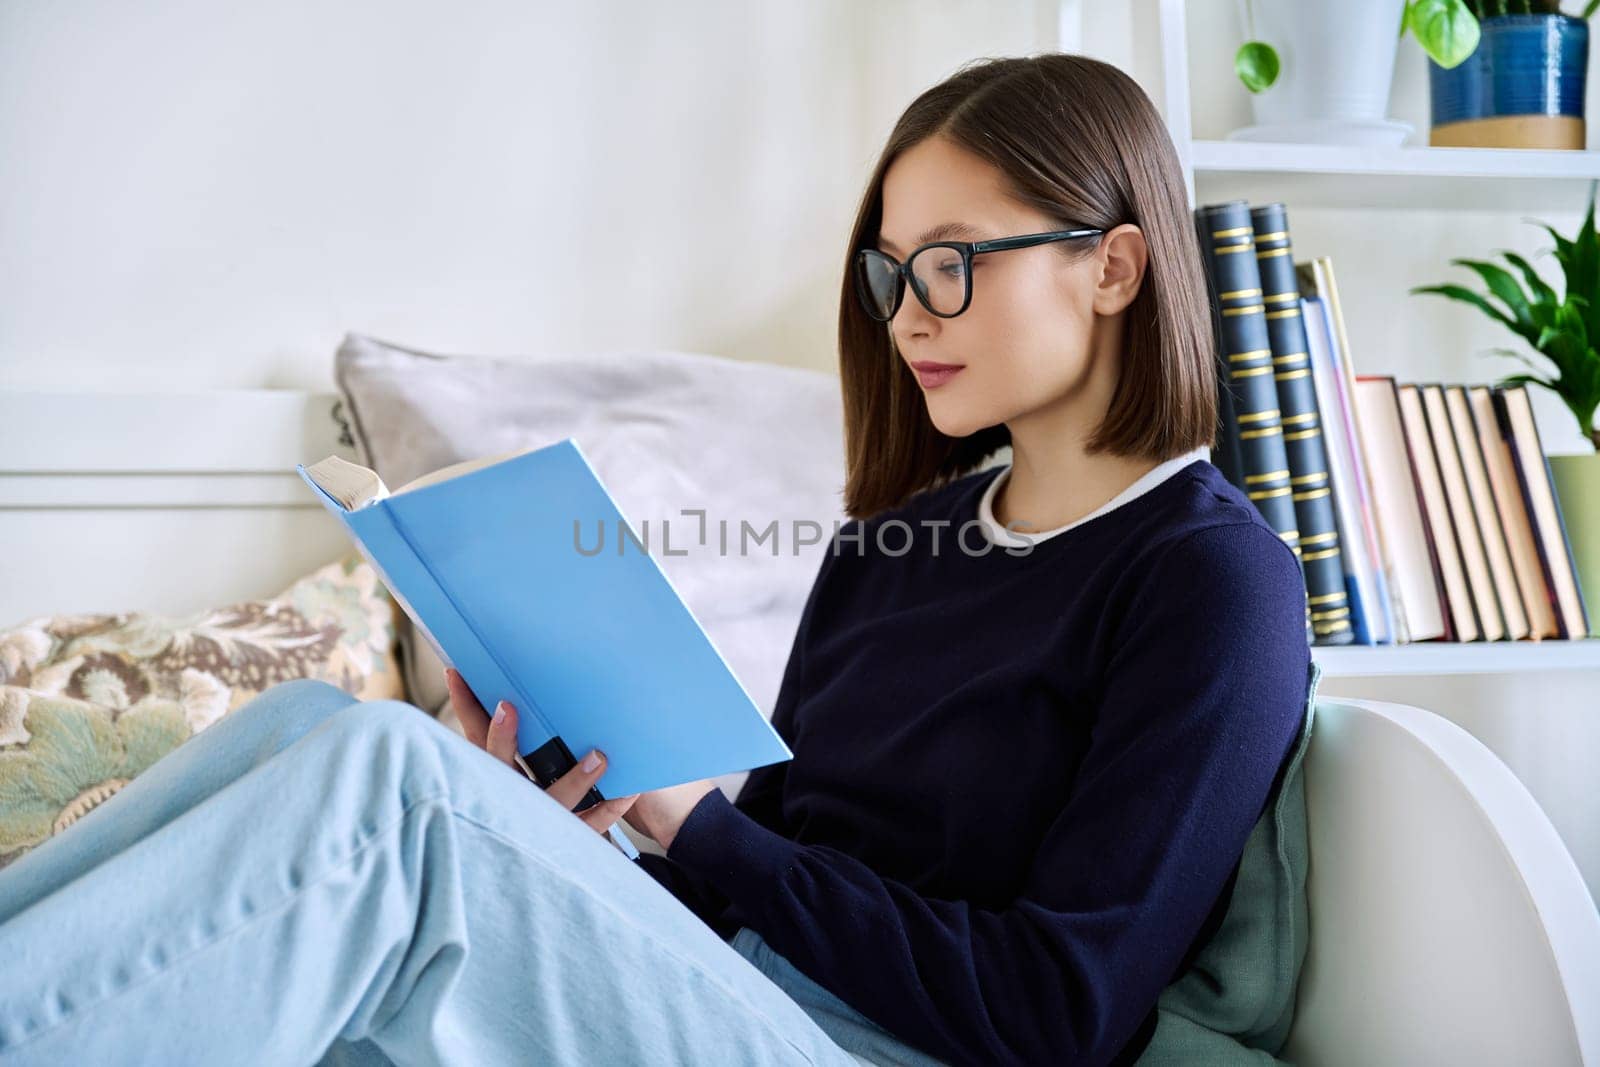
point(1035, 710)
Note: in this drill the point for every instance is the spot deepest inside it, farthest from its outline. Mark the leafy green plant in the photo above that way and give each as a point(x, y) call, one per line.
point(1446, 29)
point(1561, 329)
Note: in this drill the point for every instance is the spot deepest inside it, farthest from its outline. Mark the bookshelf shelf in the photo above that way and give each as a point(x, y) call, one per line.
point(1480, 657)
point(1367, 178)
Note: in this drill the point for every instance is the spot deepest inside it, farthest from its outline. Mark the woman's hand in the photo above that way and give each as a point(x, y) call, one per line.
point(659, 813)
point(498, 737)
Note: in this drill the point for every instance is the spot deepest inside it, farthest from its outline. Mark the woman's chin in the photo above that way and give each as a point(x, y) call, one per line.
point(955, 423)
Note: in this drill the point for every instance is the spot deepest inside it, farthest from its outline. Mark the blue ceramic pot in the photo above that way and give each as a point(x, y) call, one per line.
point(1522, 87)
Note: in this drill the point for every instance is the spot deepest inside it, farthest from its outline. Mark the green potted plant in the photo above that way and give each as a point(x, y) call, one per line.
point(1446, 29)
point(1523, 84)
point(1564, 330)
point(1337, 63)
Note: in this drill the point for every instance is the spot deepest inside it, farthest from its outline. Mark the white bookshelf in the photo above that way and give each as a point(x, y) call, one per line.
point(1394, 179)
point(1375, 178)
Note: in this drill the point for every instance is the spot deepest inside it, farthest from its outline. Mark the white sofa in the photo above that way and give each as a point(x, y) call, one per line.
point(1449, 924)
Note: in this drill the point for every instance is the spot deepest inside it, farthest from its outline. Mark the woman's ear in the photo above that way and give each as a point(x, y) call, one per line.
point(1122, 256)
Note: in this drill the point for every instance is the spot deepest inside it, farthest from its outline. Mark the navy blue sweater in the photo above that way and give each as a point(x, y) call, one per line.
point(1022, 780)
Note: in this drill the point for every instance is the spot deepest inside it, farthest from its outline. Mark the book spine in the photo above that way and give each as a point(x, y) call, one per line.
point(380, 535)
point(1304, 448)
point(1358, 613)
point(1227, 243)
point(1577, 608)
point(1514, 519)
point(1546, 565)
point(1538, 489)
point(1496, 551)
point(1361, 576)
point(1225, 456)
point(1401, 511)
point(1459, 612)
point(1316, 281)
point(1469, 538)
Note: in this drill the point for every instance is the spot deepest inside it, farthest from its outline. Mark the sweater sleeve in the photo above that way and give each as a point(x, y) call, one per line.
point(1202, 698)
point(761, 797)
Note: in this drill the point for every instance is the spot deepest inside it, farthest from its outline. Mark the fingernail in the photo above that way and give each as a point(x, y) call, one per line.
point(500, 712)
point(591, 761)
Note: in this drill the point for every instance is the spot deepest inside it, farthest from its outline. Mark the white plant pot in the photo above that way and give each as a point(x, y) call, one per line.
point(1336, 64)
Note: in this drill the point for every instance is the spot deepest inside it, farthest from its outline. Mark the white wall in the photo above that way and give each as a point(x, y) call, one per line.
point(208, 194)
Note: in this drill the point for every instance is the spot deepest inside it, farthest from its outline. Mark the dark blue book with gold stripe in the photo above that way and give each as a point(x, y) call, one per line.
point(1320, 552)
point(1225, 454)
point(1245, 384)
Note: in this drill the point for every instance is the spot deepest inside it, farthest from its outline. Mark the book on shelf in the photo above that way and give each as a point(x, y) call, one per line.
point(1436, 507)
point(1289, 487)
point(1437, 495)
point(1380, 613)
point(1417, 586)
point(1366, 577)
point(1475, 476)
point(1463, 515)
point(1515, 525)
point(1304, 442)
point(592, 646)
point(1227, 454)
point(1514, 412)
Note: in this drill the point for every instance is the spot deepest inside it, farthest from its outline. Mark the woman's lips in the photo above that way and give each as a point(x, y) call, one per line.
point(931, 375)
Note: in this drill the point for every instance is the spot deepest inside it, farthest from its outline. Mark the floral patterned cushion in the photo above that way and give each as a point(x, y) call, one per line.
point(87, 702)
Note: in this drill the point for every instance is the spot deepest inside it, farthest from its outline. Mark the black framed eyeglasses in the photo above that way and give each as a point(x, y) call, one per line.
point(940, 273)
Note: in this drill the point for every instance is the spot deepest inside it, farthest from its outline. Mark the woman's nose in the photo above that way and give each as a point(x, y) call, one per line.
point(911, 317)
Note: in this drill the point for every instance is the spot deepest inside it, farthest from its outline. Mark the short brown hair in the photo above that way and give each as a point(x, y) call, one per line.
point(1078, 140)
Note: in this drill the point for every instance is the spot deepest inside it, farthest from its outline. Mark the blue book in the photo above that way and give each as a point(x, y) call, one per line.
point(522, 574)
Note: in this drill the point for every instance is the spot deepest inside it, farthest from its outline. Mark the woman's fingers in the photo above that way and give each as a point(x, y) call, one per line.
point(469, 713)
point(571, 787)
point(502, 736)
point(497, 735)
point(603, 815)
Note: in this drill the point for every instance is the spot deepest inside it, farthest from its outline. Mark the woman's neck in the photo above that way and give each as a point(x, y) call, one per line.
point(1051, 486)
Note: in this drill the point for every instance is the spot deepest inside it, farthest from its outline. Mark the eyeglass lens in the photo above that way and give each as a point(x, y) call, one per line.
point(939, 274)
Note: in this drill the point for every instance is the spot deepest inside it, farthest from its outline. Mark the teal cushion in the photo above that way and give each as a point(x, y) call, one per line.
point(1235, 1003)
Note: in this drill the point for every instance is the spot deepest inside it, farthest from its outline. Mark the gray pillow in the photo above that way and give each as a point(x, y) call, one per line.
point(665, 431)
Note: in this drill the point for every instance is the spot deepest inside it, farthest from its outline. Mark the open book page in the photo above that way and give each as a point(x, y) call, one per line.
point(355, 486)
point(466, 466)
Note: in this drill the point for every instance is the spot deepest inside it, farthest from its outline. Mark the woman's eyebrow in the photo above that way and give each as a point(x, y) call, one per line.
point(943, 232)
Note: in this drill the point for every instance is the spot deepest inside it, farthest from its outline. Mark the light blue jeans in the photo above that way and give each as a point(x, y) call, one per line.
point(317, 879)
